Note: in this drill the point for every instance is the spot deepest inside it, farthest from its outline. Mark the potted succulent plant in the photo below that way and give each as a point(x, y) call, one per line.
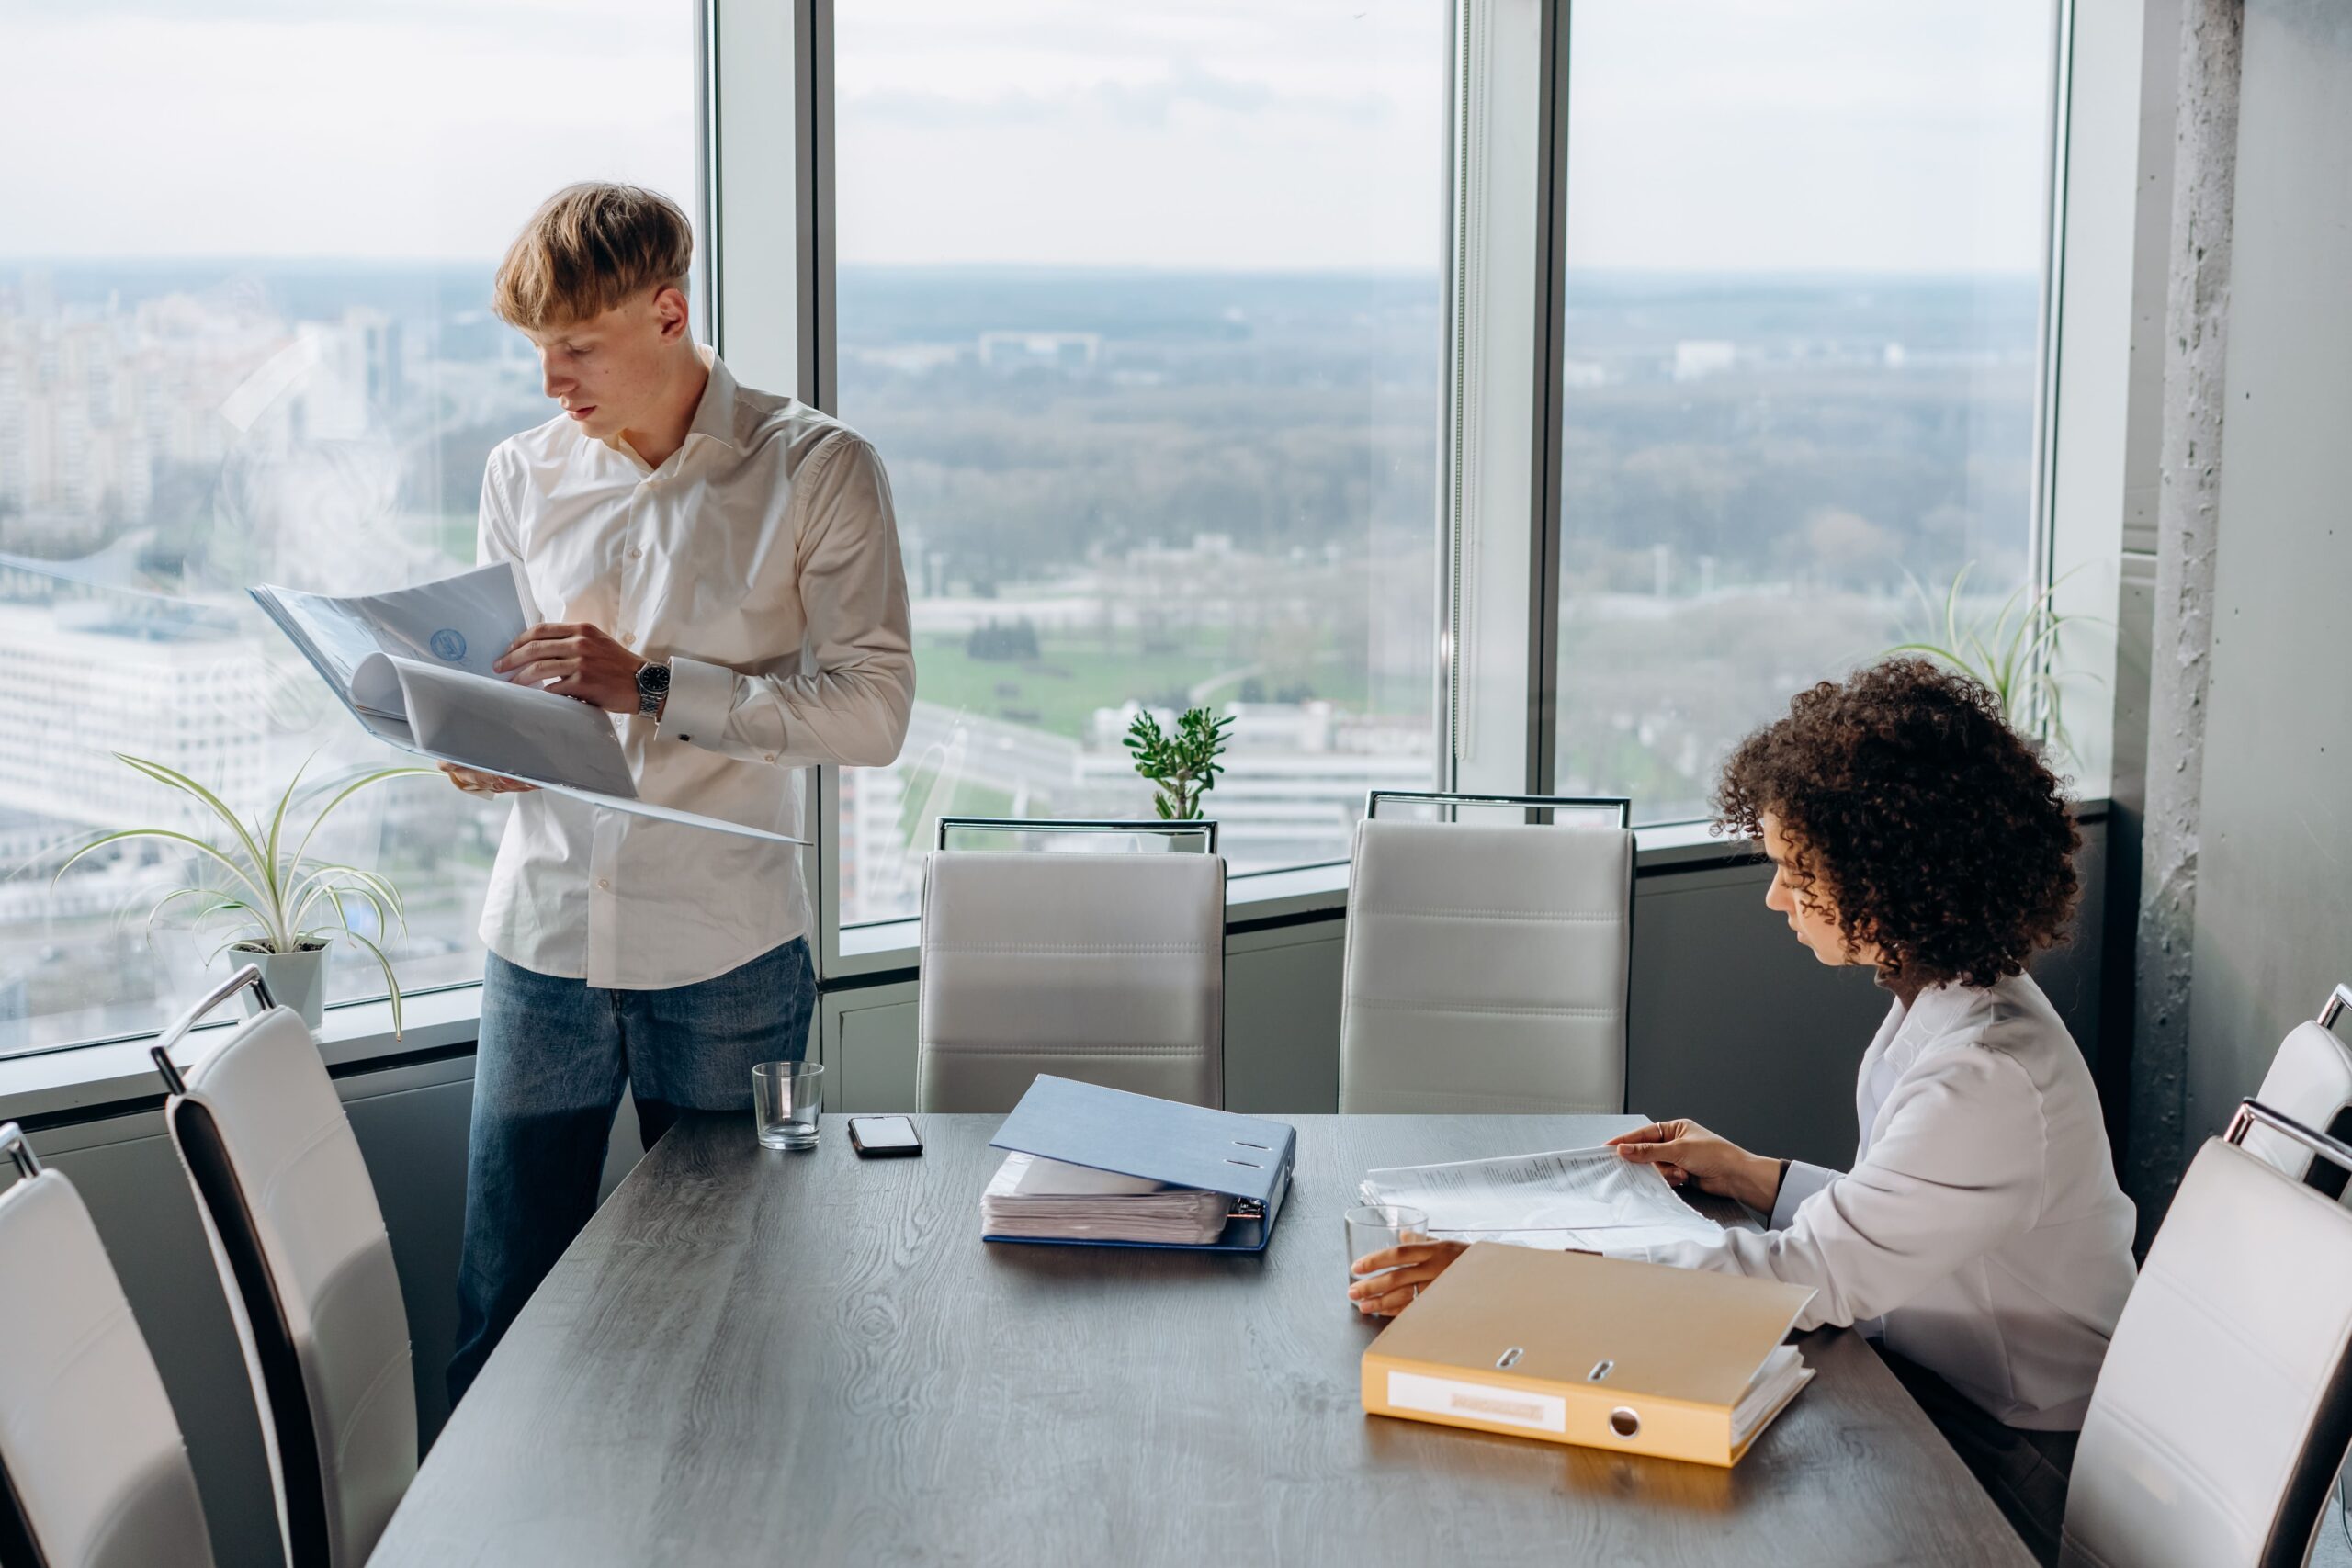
point(1183, 766)
point(271, 904)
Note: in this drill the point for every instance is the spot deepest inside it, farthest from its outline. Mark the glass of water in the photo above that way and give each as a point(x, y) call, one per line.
point(784, 1097)
point(1374, 1227)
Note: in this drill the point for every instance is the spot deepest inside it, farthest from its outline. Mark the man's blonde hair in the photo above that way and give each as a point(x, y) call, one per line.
point(588, 248)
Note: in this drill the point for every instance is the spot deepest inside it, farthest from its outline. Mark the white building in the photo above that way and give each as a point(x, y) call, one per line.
point(91, 678)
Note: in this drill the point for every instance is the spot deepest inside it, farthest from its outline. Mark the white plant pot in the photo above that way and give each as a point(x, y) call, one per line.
point(297, 980)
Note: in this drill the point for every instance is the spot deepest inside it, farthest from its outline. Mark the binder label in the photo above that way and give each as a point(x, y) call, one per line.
point(1479, 1402)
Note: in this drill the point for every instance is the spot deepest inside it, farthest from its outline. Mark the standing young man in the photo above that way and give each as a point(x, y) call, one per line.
point(719, 568)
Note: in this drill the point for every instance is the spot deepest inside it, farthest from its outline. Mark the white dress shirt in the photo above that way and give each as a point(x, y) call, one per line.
point(1982, 1222)
point(762, 561)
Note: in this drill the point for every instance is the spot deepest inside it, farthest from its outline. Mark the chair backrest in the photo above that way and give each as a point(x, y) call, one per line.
point(1107, 968)
point(2222, 1413)
point(299, 1243)
point(93, 1470)
point(1486, 968)
point(2311, 1081)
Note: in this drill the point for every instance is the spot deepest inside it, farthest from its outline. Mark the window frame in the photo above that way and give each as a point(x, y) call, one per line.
point(765, 200)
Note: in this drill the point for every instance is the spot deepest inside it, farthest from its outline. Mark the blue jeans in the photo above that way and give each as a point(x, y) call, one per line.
point(548, 1069)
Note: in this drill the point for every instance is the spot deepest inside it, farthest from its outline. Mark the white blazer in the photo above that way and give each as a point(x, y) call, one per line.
point(1982, 1222)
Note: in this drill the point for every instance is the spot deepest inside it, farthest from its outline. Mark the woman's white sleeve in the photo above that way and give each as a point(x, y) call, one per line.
point(1957, 1166)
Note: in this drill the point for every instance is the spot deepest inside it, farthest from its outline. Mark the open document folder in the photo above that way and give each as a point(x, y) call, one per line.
point(413, 666)
point(1600, 1351)
point(1583, 1199)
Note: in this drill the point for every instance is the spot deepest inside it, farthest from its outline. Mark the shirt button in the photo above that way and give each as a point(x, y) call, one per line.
point(634, 552)
point(628, 636)
point(770, 756)
point(605, 882)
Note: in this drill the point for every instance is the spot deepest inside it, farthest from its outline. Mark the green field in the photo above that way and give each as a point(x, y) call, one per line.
point(1060, 690)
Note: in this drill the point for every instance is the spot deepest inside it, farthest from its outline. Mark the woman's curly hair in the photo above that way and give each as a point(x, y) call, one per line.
point(1937, 832)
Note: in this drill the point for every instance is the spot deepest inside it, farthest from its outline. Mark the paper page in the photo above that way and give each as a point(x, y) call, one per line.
point(458, 623)
point(1774, 1384)
point(1037, 1176)
point(1592, 1200)
point(658, 813)
point(502, 727)
point(335, 641)
point(375, 688)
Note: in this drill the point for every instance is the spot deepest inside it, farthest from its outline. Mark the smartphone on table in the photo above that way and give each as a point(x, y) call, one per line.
point(884, 1137)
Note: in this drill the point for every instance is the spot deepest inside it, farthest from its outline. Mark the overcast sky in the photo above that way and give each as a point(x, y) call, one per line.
point(1227, 133)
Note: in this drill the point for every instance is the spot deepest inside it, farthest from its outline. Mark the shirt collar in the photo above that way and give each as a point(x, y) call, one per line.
point(714, 415)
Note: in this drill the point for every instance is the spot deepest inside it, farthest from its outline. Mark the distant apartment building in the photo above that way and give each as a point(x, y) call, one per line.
point(95, 677)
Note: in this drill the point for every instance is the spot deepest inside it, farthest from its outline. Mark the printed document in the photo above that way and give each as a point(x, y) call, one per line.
point(1586, 1200)
point(413, 666)
point(1047, 1200)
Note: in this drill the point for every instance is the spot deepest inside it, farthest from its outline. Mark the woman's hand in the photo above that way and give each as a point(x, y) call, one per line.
point(1413, 1265)
point(1684, 1151)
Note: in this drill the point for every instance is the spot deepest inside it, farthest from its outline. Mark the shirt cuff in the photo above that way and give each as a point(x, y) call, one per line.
point(1802, 1182)
point(702, 695)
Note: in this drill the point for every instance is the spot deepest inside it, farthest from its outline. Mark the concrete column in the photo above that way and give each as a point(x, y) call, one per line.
point(2187, 521)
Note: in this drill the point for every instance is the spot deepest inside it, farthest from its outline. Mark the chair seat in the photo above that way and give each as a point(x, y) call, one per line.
point(88, 1442)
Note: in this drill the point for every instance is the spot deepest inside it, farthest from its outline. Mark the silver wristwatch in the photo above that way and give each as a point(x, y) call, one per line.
point(653, 687)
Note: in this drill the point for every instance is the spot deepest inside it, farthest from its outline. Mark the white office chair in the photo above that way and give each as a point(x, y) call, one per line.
point(2311, 1082)
point(2222, 1413)
point(300, 1245)
point(1107, 968)
point(1486, 964)
point(92, 1471)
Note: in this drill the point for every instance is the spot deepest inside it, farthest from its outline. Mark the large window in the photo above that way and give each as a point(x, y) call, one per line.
point(1805, 254)
point(243, 337)
point(1141, 305)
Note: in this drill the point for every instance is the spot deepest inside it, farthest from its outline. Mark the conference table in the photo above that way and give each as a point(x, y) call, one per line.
point(754, 1355)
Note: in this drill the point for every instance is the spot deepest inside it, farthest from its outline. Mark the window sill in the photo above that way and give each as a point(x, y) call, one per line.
point(57, 1088)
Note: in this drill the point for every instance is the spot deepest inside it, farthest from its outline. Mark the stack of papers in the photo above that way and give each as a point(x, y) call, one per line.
point(1044, 1200)
point(1782, 1373)
point(1582, 1200)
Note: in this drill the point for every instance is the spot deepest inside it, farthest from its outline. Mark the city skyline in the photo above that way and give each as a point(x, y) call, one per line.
point(1164, 487)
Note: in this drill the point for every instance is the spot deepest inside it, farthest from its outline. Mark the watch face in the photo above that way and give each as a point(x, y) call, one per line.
point(652, 686)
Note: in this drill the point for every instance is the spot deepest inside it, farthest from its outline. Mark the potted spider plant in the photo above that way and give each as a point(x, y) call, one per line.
point(268, 903)
point(2017, 654)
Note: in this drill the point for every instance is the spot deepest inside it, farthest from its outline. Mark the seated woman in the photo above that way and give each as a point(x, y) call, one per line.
point(1980, 1236)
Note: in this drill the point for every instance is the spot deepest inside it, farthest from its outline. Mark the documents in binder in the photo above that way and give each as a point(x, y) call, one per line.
point(1589, 1200)
point(413, 666)
point(1604, 1352)
point(1047, 1200)
point(1100, 1166)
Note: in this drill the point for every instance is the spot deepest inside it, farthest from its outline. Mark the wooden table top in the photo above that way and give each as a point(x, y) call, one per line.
point(751, 1356)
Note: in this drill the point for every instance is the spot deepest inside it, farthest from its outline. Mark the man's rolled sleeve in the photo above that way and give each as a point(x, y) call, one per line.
point(701, 696)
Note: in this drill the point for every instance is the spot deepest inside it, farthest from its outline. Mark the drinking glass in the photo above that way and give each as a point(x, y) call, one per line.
point(1374, 1226)
point(783, 1103)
